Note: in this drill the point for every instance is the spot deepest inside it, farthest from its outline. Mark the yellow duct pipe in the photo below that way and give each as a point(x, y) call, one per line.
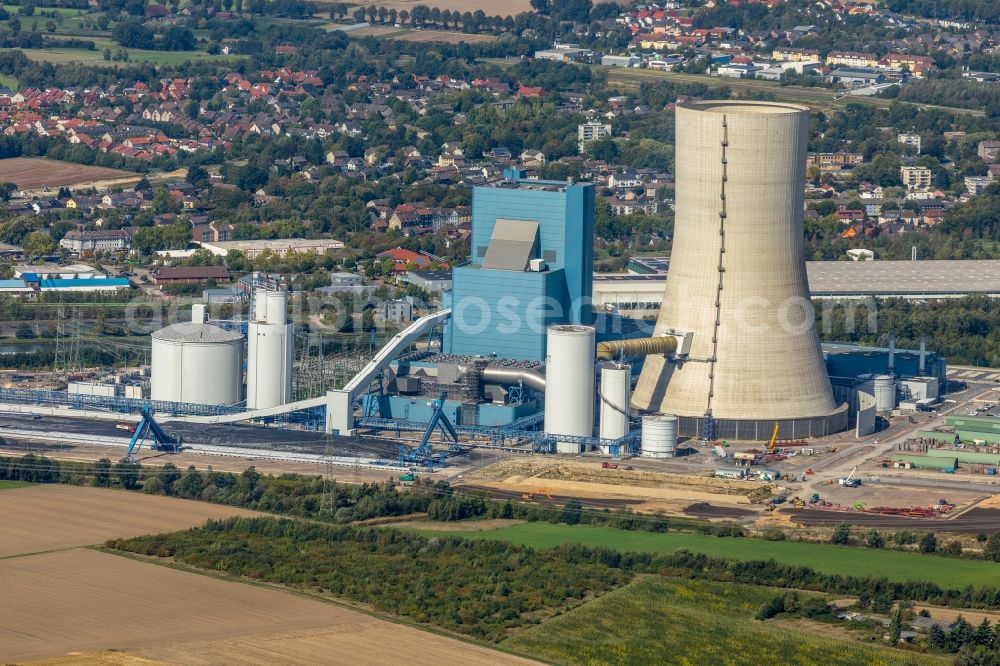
point(609, 351)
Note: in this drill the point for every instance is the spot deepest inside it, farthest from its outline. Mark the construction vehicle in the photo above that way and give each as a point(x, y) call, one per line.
point(814, 499)
point(798, 503)
point(530, 496)
point(810, 471)
point(147, 427)
point(849, 481)
point(774, 438)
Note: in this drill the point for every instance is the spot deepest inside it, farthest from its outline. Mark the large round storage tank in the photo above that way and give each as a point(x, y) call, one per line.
point(569, 384)
point(883, 387)
point(197, 362)
point(615, 385)
point(885, 393)
point(659, 436)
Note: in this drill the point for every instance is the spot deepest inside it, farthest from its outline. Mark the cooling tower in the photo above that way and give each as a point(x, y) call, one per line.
point(737, 281)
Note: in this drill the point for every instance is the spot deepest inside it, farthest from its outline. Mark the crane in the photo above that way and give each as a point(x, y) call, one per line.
point(774, 438)
point(849, 481)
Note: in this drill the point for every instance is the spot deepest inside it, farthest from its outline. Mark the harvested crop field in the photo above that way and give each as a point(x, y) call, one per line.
point(32, 173)
point(87, 601)
point(53, 517)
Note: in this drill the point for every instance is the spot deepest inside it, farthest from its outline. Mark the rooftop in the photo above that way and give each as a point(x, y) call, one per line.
point(190, 331)
point(829, 279)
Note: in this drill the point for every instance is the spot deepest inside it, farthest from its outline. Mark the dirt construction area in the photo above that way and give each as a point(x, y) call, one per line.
point(64, 603)
point(35, 173)
point(640, 490)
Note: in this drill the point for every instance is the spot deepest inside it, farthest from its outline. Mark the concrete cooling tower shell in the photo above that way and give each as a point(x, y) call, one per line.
point(737, 280)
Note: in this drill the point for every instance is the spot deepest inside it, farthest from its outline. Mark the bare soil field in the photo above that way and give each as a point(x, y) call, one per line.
point(54, 517)
point(641, 490)
point(32, 173)
point(87, 601)
point(105, 658)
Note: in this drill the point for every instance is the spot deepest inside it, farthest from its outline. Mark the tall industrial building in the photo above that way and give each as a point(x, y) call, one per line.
point(737, 281)
point(270, 349)
point(531, 267)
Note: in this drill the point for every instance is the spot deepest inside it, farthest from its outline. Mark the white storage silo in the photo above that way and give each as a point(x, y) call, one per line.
point(883, 387)
point(270, 352)
point(197, 362)
point(885, 393)
point(615, 389)
point(659, 436)
point(569, 384)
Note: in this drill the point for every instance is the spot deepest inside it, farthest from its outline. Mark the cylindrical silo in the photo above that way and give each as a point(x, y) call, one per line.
point(883, 387)
point(269, 365)
point(260, 304)
point(198, 363)
point(569, 384)
point(277, 308)
point(270, 351)
point(737, 280)
point(614, 392)
point(659, 436)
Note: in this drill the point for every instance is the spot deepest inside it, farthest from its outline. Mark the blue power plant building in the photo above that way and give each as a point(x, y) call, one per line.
point(531, 267)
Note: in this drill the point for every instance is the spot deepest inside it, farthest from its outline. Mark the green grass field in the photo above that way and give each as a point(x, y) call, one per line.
point(668, 621)
point(894, 565)
point(96, 57)
point(7, 485)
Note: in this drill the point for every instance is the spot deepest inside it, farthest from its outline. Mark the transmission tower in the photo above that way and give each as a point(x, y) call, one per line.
point(327, 505)
point(59, 359)
point(75, 363)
